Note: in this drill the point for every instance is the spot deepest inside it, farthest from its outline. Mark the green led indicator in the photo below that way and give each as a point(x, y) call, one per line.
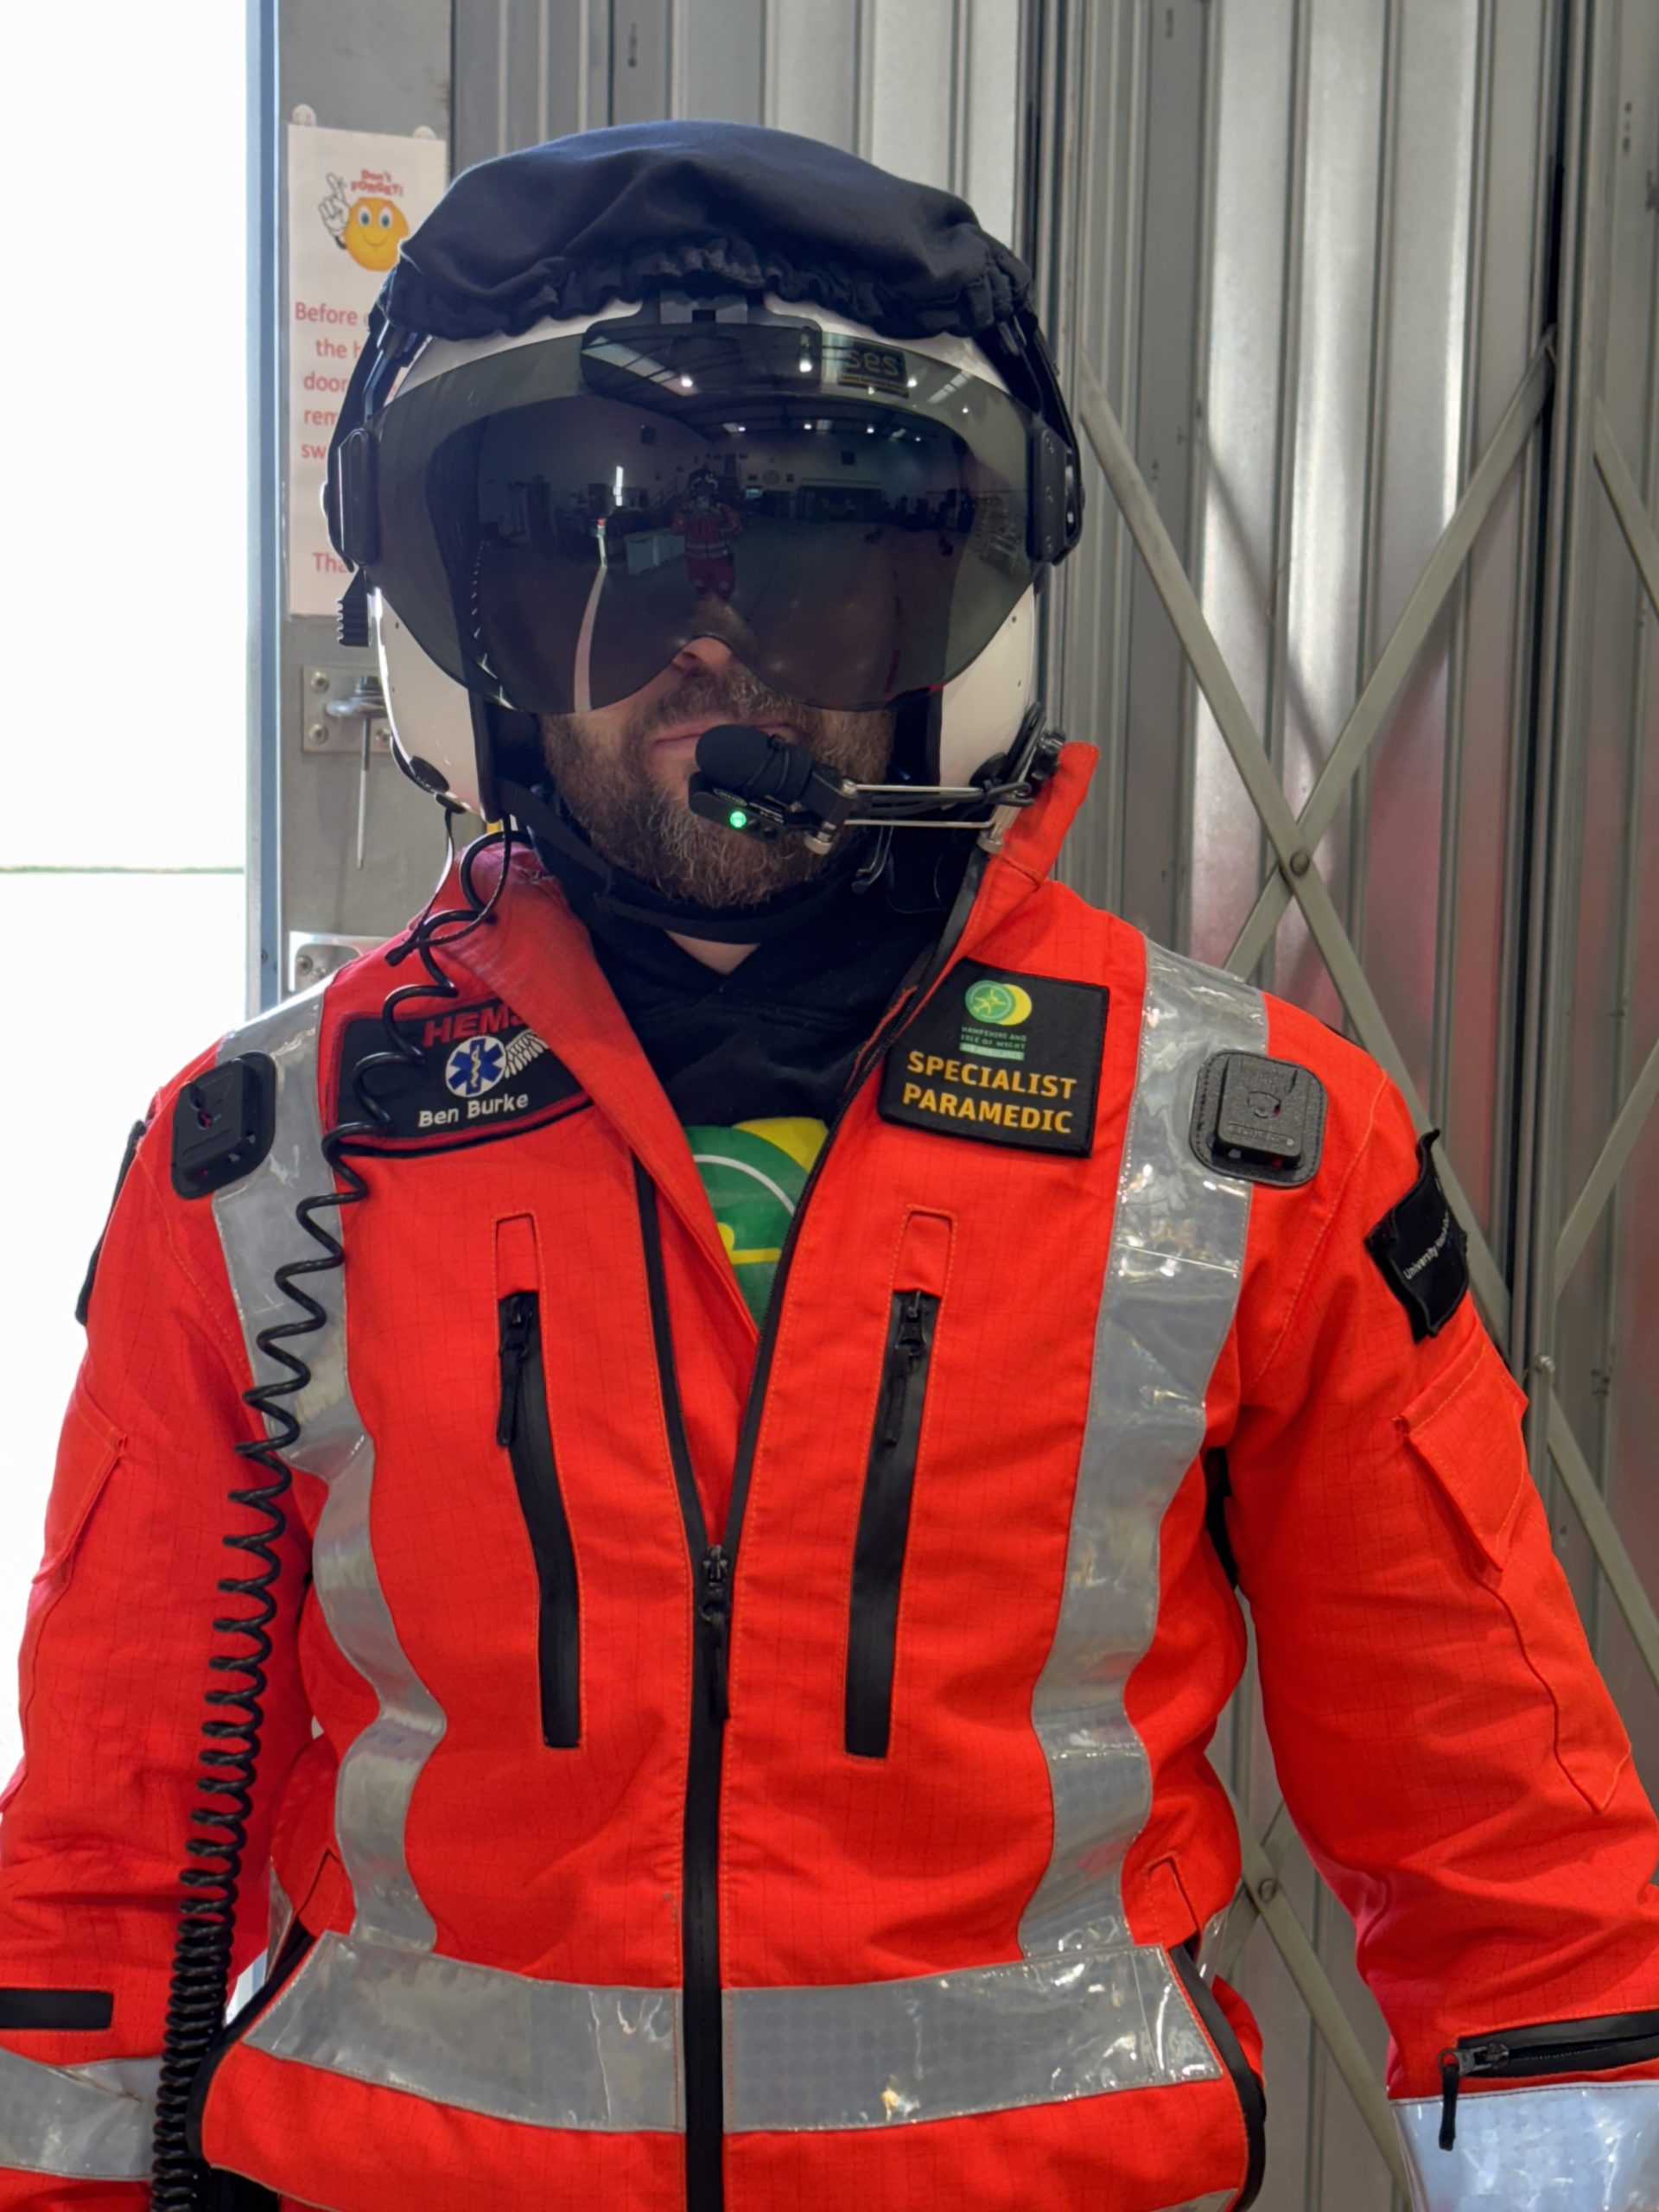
point(738, 818)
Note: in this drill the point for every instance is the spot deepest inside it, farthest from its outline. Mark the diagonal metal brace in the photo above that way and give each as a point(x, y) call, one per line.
point(1631, 1120)
point(1324, 2005)
point(1631, 513)
point(1215, 679)
point(1629, 510)
point(1606, 1542)
point(1411, 634)
point(1241, 1917)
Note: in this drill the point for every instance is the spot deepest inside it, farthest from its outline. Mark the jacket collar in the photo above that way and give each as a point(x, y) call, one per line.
point(536, 954)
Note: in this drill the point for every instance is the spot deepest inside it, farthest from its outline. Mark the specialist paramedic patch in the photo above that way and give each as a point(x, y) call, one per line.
point(1420, 1246)
point(481, 1072)
point(1009, 1059)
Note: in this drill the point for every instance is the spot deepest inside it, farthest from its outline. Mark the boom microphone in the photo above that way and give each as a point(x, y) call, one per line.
point(763, 785)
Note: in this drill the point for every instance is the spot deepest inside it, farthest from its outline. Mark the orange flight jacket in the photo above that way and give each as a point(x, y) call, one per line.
point(703, 1772)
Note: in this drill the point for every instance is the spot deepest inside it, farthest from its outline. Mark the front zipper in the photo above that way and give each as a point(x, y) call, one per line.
point(523, 1427)
point(712, 1567)
point(1558, 2047)
point(699, 1896)
point(883, 1522)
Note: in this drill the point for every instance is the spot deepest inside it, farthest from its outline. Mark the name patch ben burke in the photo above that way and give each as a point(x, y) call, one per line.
point(480, 1071)
point(1009, 1059)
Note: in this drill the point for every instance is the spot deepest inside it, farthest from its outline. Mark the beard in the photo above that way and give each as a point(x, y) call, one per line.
point(638, 824)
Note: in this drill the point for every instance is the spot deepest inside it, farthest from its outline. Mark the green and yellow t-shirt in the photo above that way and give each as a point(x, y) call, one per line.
point(754, 1173)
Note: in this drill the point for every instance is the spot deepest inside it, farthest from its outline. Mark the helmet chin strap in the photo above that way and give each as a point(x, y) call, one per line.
point(596, 885)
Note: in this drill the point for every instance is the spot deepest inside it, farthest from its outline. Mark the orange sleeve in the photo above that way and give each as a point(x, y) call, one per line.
point(114, 1668)
point(1444, 1741)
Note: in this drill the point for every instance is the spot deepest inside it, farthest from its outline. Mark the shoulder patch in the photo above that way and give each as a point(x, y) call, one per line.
point(223, 1124)
point(1261, 1120)
point(1421, 1247)
point(1009, 1059)
point(480, 1073)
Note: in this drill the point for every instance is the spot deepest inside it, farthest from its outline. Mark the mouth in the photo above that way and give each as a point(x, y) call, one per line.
point(684, 736)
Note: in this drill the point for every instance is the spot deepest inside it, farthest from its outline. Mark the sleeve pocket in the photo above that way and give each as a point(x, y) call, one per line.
point(88, 1449)
point(1465, 1430)
point(1466, 1427)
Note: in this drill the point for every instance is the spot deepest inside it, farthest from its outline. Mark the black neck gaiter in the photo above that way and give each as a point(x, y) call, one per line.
point(778, 1036)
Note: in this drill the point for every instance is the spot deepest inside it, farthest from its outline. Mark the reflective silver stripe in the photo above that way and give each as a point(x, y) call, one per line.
point(990, 2039)
point(259, 1233)
point(1210, 1937)
point(548, 2054)
point(279, 1918)
point(82, 2123)
point(1585, 2147)
point(1172, 1285)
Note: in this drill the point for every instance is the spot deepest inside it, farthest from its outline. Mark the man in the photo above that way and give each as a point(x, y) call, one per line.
point(708, 525)
point(767, 1329)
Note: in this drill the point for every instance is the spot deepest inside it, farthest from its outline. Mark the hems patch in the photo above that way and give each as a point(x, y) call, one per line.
point(478, 1071)
point(1009, 1059)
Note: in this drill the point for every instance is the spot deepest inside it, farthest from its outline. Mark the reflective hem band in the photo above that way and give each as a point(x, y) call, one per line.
point(1171, 1291)
point(546, 2054)
point(80, 2123)
point(1583, 2146)
point(549, 2054)
point(259, 1233)
point(941, 2046)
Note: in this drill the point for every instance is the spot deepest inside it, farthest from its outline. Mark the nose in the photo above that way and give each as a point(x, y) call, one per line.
point(712, 654)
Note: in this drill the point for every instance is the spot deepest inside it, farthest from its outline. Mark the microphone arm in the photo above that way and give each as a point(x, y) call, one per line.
point(768, 787)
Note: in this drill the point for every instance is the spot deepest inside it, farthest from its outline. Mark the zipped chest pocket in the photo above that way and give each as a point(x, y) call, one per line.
point(523, 1428)
point(1598, 2046)
point(884, 1518)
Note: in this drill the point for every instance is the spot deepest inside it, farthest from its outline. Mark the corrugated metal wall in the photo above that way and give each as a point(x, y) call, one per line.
point(1357, 300)
point(1596, 1287)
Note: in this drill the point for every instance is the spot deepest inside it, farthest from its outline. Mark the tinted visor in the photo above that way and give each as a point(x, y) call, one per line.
point(558, 520)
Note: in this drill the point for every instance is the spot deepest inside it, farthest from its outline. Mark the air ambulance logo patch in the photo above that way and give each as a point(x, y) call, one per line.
point(1008, 1059)
point(1422, 1248)
point(477, 1071)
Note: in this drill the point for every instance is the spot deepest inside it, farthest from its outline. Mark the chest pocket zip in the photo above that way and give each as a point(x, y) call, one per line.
point(889, 1485)
point(523, 1427)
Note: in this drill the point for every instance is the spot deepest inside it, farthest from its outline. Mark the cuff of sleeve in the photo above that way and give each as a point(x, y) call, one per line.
point(1579, 2146)
point(78, 2123)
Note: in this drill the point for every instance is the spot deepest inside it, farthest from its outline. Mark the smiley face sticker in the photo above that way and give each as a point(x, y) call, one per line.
point(368, 226)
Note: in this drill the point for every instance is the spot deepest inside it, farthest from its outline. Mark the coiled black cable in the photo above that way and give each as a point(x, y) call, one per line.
point(199, 1988)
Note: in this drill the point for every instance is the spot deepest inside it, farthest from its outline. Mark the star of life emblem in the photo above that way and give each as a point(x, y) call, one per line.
point(476, 1065)
point(479, 1064)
